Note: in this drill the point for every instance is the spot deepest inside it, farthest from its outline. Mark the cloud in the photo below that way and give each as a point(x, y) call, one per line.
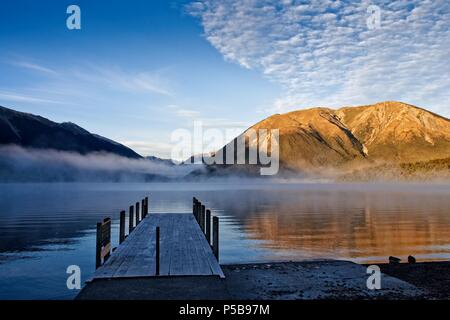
point(28, 164)
point(224, 123)
point(184, 113)
point(194, 115)
point(148, 148)
point(9, 96)
point(105, 77)
point(34, 67)
point(324, 53)
point(114, 77)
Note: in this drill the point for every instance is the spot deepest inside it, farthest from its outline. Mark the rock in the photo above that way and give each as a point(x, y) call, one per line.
point(411, 259)
point(394, 260)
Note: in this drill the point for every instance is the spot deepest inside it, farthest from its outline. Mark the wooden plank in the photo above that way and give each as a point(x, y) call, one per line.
point(167, 227)
point(208, 256)
point(200, 262)
point(191, 253)
point(127, 252)
point(142, 261)
point(123, 253)
point(186, 247)
point(144, 248)
point(106, 250)
point(175, 252)
point(122, 263)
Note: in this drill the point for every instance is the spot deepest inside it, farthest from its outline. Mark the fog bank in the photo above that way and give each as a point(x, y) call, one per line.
point(26, 164)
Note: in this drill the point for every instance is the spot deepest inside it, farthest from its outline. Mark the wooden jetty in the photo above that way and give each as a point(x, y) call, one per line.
point(158, 245)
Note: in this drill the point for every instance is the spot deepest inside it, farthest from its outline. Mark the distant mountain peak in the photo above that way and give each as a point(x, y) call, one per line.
point(389, 131)
point(74, 128)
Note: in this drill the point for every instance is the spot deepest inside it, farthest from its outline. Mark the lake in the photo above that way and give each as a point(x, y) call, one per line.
point(44, 228)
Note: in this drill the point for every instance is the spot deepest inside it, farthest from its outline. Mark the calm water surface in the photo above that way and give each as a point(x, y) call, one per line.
point(46, 227)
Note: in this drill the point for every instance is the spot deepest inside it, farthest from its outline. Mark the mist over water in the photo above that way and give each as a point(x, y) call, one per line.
point(44, 227)
point(47, 165)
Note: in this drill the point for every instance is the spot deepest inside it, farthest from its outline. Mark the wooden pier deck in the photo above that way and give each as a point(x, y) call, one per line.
point(184, 250)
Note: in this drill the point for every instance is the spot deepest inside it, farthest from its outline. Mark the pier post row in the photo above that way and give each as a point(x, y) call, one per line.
point(203, 217)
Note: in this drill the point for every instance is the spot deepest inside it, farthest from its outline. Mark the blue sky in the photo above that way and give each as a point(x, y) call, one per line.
point(137, 70)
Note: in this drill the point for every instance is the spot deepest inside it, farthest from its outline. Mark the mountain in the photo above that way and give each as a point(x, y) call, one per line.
point(317, 139)
point(399, 132)
point(28, 130)
point(167, 162)
point(313, 138)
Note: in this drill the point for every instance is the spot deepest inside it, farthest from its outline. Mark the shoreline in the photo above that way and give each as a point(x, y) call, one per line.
point(431, 276)
point(306, 280)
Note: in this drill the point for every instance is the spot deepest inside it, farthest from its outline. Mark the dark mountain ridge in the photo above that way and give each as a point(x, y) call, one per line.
point(32, 131)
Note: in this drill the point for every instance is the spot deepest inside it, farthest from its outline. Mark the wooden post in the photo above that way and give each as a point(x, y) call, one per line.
point(122, 227)
point(197, 211)
point(157, 253)
point(202, 219)
point(215, 246)
point(199, 214)
point(98, 246)
point(208, 226)
point(137, 213)
point(130, 220)
point(146, 206)
point(143, 209)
